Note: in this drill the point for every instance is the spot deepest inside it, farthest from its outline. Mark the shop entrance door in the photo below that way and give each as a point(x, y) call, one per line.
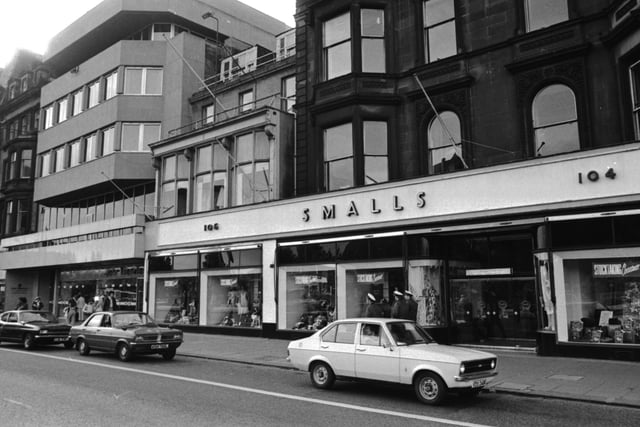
point(355, 281)
point(494, 311)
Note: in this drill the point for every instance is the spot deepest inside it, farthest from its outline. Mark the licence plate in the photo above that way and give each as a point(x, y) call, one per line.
point(59, 339)
point(478, 383)
point(156, 346)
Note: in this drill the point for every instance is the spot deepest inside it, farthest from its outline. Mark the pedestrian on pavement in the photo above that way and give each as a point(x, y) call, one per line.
point(22, 304)
point(80, 301)
point(397, 304)
point(71, 311)
point(37, 304)
point(110, 302)
point(412, 312)
point(373, 309)
point(99, 301)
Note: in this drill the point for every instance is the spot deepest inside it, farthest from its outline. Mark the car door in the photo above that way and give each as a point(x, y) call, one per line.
point(3, 320)
point(104, 334)
point(337, 345)
point(11, 329)
point(90, 329)
point(375, 357)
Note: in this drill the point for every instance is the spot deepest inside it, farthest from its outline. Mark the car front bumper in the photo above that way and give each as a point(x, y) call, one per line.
point(52, 339)
point(153, 347)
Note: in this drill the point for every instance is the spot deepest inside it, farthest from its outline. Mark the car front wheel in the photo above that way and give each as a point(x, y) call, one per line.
point(28, 342)
point(83, 348)
point(124, 352)
point(322, 375)
point(430, 388)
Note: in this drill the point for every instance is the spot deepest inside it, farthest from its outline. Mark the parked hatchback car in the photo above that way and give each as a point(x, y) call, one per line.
point(391, 350)
point(125, 333)
point(31, 328)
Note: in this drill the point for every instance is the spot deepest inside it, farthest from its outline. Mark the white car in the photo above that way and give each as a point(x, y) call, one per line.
point(391, 350)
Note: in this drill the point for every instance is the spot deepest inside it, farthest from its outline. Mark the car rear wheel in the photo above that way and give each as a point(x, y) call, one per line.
point(430, 388)
point(169, 354)
point(28, 342)
point(83, 347)
point(124, 352)
point(322, 375)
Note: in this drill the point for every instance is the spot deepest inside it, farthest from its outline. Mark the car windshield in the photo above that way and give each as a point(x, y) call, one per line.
point(37, 317)
point(408, 333)
point(132, 319)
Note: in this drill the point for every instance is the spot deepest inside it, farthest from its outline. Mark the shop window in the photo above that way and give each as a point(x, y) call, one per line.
point(234, 300)
point(540, 14)
point(426, 283)
point(445, 144)
point(177, 300)
point(142, 81)
point(372, 39)
point(634, 76)
point(336, 46)
point(307, 297)
point(599, 300)
point(338, 157)
point(379, 281)
point(439, 29)
point(555, 121)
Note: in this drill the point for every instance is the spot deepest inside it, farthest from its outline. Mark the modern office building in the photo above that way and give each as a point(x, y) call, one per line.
point(123, 74)
point(20, 84)
point(477, 155)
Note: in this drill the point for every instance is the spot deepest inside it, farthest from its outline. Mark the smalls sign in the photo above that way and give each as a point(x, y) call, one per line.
point(624, 269)
point(354, 209)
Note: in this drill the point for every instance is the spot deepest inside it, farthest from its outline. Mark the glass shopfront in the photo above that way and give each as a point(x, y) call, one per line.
point(125, 281)
point(228, 281)
point(598, 296)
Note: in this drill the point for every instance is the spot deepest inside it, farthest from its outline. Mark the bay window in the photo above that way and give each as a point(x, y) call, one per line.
point(25, 163)
point(439, 29)
point(634, 75)
point(338, 157)
point(373, 51)
point(336, 46)
point(250, 172)
point(540, 14)
point(210, 178)
point(174, 196)
point(376, 168)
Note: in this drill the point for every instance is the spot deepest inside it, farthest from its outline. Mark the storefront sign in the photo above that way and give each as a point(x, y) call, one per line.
point(629, 268)
point(228, 282)
point(170, 283)
point(369, 277)
point(353, 208)
point(307, 280)
point(489, 272)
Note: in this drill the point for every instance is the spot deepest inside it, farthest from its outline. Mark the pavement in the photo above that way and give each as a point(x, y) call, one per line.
point(521, 372)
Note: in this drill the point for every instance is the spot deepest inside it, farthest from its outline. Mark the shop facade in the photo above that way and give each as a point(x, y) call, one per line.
point(505, 262)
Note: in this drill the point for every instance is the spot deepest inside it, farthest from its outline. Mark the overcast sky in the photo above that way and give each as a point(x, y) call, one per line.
point(29, 24)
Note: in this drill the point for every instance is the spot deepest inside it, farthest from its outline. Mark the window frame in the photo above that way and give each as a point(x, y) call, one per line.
point(327, 47)
point(458, 151)
point(556, 17)
point(243, 105)
point(23, 159)
point(427, 29)
point(111, 85)
point(93, 94)
point(536, 147)
point(634, 86)
point(143, 82)
point(372, 37)
point(141, 135)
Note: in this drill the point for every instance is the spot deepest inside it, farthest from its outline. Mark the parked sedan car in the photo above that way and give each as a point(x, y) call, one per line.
point(391, 350)
point(31, 328)
point(125, 333)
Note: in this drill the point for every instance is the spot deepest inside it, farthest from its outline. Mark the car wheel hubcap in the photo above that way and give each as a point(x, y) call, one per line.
point(321, 374)
point(429, 388)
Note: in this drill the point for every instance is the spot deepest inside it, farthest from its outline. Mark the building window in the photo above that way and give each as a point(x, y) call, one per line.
point(246, 101)
point(10, 217)
point(111, 85)
point(48, 117)
point(138, 136)
point(142, 81)
point(90, 147)
point(238, 64)
point(439, 29)
point(376, 162)
point(108, 140)
point(25, 163)
point(540, 14)
point(13, 90)
point(174, 196)
point(286, 44)
point(443, 153)
point(13, 129)
point(59, 160)
point(93, 94)
point(208, 114)
point(289, 94)
point(555, 121)
point(250, 172)
point(338, 157)
point(62, 110)
point(22, 224)
point(24, 124)
point(74, 153)
point(336, 46)
point(77, 97)
point(373, 50)
point(45, 164)
point(634, 74)
point(211, 178)
point(13, 164)
point(24, 84)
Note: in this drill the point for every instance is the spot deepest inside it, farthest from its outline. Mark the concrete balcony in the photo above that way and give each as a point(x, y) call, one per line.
point(103, 241)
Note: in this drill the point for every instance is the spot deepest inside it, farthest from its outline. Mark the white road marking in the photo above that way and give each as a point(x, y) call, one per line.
point(15, 402)
point(255, 391)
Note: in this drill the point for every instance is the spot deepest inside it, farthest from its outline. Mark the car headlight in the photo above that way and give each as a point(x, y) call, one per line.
point(462, 369)
point(494, 362)
point(44, 331)
point(177, 337)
